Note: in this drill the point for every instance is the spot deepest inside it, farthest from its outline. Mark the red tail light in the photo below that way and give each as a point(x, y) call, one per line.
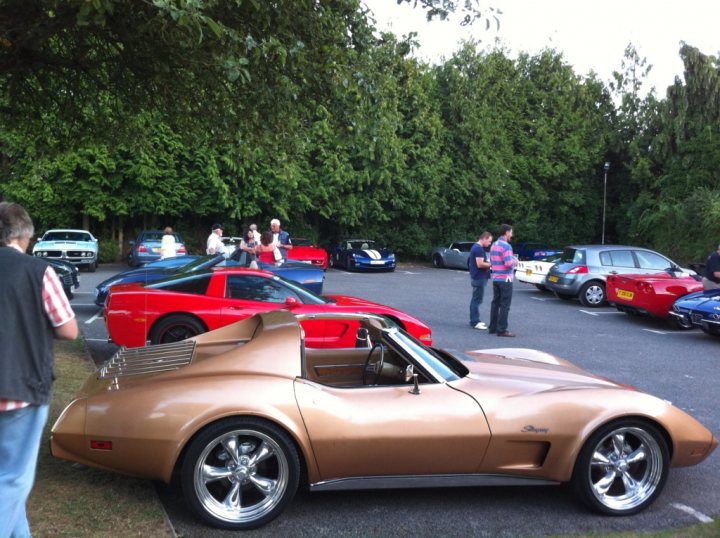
point(181, 249)
point(644, 287)
point(578, 270)
point(141, 248)
point(98, 444)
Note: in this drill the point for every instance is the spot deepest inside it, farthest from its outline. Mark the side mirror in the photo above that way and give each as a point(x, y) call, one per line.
point(409, 372)
point(291, 301)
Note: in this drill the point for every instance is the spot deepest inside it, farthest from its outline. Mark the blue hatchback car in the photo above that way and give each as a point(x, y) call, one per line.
point(146, 248)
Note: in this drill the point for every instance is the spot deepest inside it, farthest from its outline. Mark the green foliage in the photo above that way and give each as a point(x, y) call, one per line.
point(122, 116)
point(108, 251)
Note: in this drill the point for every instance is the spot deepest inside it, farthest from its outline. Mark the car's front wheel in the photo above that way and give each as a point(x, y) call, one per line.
point(240, 473)
point(438, 261)
point(592, 294)
point(176, 328)
point(622, 468)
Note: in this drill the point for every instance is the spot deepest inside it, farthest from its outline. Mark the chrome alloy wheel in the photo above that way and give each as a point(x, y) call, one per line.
point(626, 468)
point(593, 295)
point(241, 476)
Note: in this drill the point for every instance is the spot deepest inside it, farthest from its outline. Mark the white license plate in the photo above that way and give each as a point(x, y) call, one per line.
point(377, 262)
point(156, 250)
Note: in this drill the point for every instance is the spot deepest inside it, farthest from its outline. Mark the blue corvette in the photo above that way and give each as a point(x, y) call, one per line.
point(699, 309)
point(361, 255)
point(308, 275)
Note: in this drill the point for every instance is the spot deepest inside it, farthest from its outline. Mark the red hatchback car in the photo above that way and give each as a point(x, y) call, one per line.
point(651, 295)
point(187, 304)
point(305, 251)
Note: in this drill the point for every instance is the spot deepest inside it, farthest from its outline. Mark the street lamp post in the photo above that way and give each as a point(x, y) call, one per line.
point(606, 167)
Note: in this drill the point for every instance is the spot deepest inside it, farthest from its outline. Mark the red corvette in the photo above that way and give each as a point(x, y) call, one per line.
point(303, 250)
point(651, 295)
point(187, 304)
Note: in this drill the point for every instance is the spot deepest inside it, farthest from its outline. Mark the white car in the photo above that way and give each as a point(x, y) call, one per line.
point(535, 271)
point(76, 246)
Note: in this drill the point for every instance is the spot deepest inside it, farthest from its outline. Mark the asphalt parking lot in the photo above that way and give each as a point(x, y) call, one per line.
point(680, 366)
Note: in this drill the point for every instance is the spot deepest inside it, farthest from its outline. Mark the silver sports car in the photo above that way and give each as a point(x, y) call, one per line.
point(454, 257)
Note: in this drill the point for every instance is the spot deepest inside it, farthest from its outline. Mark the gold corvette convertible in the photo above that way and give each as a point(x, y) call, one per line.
point(246, 413)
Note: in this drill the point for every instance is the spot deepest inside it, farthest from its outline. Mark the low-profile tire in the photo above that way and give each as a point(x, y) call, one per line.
point(708, 329)
point(176, 328)
point(622, 467)
point(240, 473)
point(592, 294)
point(564, 296)
point(92, 267)
point(438, 261)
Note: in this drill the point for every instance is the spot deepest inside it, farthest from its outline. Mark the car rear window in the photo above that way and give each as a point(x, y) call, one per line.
point(573, 255)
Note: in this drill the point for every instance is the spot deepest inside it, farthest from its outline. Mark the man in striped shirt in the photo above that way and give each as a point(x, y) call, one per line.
point(34, 311)
point(502, 263)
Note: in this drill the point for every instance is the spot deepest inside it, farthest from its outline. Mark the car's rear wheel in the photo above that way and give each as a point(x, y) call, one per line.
point(175, 328)
point(438, 261)
point(622, 468)
point(240, 473)
point(592, 294)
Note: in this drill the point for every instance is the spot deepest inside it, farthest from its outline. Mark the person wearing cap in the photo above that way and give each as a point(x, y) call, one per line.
point(711, 276)
point(214, 242)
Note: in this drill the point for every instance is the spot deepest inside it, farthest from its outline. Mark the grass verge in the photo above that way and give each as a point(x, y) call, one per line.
point(67, 501)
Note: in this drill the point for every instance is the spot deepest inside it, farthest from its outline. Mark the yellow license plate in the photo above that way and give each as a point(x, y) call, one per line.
point(625, 294)
point(553, 278)
point(528, 272)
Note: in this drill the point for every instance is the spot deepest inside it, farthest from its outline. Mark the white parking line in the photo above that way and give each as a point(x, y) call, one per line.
point(698, 515)
point(83, 293)
point(96, 340)
point(96, 316)
point(654, 331)
point(598, 313)
point(544, 298)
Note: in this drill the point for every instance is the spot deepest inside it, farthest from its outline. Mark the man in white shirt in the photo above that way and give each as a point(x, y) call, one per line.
point(256, 234)
point(214, 243)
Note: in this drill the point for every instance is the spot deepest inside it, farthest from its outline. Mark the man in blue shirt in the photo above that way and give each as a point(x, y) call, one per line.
point(503, 263)
point(479, 266)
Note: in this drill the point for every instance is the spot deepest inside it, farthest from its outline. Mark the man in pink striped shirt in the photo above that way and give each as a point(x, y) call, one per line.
point(34, 311)
point(502, 263)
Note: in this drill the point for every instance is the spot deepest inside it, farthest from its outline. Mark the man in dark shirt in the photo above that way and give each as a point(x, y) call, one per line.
point(711, 278)
point(479, 266)
point(34, 311)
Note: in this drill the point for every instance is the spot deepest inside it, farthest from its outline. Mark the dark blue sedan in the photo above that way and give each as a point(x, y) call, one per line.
point(700, 309)
point(361, 255)
point(308, 275)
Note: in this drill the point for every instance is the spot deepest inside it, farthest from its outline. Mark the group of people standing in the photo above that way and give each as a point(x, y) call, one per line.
point(497, 266)
point(271, 246)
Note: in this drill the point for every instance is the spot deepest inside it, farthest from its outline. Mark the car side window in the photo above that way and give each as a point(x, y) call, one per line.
point(651, 260)
point(617, 258)
point(196, 285)
point(255, 288)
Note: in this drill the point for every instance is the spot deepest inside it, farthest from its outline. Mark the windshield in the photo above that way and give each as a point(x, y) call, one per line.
point(66, 236)
point(448, 368)
point(362, 245)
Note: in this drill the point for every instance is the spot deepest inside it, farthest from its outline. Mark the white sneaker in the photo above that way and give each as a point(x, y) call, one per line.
point(480, 326)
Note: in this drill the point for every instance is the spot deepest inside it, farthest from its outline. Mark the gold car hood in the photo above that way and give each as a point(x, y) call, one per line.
point(508, 372)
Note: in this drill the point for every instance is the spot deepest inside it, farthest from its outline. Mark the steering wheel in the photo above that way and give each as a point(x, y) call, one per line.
point(374, 368)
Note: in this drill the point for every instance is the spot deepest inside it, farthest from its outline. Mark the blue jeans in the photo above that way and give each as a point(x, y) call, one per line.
point(500, 306)
point(20, 433)
point(478, 287)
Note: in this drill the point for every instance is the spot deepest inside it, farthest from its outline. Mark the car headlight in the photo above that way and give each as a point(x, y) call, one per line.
point(391, 256)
